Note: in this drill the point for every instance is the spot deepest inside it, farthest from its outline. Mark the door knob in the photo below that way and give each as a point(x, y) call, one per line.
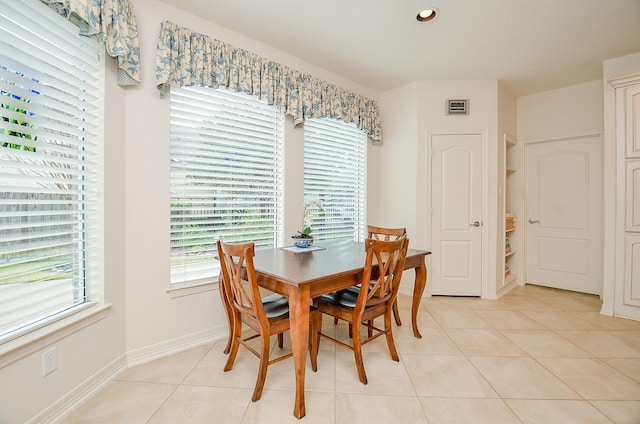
point(533, 221)
point(475, 224)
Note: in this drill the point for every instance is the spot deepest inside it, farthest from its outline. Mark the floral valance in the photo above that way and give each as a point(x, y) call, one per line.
point(187, 58)
point(111, 22)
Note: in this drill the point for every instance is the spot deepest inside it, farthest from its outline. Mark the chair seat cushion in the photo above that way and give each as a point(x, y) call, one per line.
point(346, 297)
point(275, 305)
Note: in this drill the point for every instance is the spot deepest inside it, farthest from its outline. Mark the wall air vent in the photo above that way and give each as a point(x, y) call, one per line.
point(457, 107)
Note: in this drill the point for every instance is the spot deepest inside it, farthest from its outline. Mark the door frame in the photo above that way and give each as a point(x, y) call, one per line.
point(425, 175)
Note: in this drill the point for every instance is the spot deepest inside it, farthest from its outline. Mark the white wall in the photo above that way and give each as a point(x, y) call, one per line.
point(567, 112)
point(154, 318)
point(144, 320)
point(397, 173)
point(411, 114)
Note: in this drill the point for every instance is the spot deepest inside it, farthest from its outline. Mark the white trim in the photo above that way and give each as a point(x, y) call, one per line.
point(76, 397)
point(487, 260)
point(72, 400)
point(177, 291)
point(180, 344)
point(593, 133)
point(624, 80)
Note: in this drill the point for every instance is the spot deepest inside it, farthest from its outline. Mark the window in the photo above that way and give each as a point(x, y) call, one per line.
point(226, 177)
point(335, 179)
point(51, 82)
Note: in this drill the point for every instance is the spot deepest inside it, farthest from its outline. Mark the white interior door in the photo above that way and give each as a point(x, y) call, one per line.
point(563, 186)
point(457, 215)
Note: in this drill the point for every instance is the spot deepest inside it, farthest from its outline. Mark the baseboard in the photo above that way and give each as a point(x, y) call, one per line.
point(170, 347)
point(606, 311)
point(64, 406)
point(506, 289)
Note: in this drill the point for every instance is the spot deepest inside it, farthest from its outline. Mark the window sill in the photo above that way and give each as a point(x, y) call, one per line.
point(20, 347)
point(191, 289)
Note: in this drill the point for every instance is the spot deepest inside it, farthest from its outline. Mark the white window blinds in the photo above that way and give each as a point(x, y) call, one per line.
point(50, 165)
point(335, 174)
point(226, 177)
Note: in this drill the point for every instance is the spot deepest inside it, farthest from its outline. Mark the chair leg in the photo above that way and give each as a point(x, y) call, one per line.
point(280, 340)
point(264, 364)
point(396, 312)
point(235, 344)
point(390, 342)
point(227, 308)
point(357, 352)
point(314, 338)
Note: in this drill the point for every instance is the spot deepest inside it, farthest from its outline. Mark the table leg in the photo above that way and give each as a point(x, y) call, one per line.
point(418, 290)
point(299, 304)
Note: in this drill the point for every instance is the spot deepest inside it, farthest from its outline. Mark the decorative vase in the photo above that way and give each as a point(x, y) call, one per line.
point(302, 241)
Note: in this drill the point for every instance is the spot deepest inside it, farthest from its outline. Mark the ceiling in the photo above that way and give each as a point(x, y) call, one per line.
point(529, 45)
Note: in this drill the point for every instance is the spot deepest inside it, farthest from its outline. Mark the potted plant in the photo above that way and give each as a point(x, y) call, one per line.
point(304, 238)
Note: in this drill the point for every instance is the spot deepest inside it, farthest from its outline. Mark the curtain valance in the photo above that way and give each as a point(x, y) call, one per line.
point(186, 58)
point(109, 21)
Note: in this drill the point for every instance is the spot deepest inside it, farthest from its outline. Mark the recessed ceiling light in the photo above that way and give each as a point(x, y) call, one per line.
point(427, 15)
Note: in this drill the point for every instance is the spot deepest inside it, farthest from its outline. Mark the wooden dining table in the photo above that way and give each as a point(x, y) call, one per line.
point(302, 274)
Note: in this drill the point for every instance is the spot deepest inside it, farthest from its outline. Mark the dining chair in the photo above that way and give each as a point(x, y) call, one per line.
point(375, 296)
point(228, 309)
point(267, 316)
point(381, 233)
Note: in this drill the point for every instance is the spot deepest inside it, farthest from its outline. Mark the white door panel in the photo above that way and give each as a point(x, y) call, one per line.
point(564, 211)
point(631, 296)
point(628, 303)
point(563, 255)
point(457, 206)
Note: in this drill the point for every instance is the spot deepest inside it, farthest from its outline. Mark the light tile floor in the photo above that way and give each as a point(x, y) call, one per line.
point(537, 355)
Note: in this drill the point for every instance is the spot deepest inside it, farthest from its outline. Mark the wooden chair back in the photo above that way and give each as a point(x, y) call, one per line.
point(383, 269)
point(236, 262)
point(381, 233)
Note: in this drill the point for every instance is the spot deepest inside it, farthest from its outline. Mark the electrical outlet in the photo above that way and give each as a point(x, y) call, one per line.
point(49, 361)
